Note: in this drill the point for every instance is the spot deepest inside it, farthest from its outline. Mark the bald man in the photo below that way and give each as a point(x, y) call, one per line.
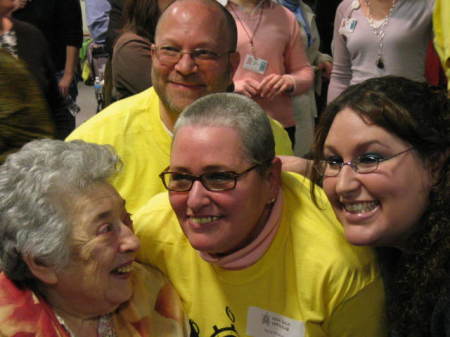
point(194, 55)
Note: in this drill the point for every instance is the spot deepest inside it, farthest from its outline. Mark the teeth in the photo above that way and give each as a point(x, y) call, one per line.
point(125, 269)
point(361, 207)
point(204, 220)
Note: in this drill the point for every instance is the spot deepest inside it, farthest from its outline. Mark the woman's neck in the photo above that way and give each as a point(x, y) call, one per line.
point(77, 326)
point(248, 5)
point(377, 9)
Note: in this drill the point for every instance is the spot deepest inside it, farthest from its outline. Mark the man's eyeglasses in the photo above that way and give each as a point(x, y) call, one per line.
point(169, 56)
point(212, 181)
point(366, 163)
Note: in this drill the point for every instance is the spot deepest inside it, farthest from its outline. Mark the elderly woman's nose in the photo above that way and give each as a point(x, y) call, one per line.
point(129, 242)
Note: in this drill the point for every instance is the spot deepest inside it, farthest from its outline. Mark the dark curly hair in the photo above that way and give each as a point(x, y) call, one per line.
point(417, 276)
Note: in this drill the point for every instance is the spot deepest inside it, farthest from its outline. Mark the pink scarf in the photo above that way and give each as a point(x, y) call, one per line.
point(251, 253)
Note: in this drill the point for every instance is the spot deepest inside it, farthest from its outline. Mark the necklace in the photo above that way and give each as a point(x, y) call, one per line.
point(379, 31)
point(252, 36)
point(105, 327)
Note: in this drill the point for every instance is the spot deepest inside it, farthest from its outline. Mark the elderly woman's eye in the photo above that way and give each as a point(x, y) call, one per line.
point(105, 228)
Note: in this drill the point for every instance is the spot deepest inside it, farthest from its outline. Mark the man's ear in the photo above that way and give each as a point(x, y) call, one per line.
point(41, 271)
point(234, 62)
point(152, 50)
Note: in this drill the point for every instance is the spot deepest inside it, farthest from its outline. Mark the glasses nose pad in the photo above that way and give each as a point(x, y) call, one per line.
point(186, 62)
point(352, 165)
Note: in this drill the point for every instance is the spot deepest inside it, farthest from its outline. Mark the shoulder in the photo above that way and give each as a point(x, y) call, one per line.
point(157, 222)
point(155, 303)
point(125, 116)
point(283, 145)
point(157, 210)
point(127, 38)
point(319, 224)
point(157, 226)
point(345, 7)
point(22, 27)
point(281, 14)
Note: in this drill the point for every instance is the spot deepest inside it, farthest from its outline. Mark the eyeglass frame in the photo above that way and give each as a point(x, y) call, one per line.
point(156, 49)
point(354, 164)
point(236, 176)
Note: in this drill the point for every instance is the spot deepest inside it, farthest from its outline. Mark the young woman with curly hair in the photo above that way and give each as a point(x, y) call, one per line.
point(382, 154)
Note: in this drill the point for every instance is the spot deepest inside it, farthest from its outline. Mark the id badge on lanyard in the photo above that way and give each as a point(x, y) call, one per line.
point(255, 64)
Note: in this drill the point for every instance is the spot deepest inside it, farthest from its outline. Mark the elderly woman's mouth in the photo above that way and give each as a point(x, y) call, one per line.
point(123, 270)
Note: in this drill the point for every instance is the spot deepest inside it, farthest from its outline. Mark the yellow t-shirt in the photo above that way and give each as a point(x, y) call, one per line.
point(441, 28)
point(134, 128)
point(310, 282)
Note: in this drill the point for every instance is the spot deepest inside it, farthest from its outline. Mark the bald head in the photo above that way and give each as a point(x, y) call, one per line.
point(209, 10)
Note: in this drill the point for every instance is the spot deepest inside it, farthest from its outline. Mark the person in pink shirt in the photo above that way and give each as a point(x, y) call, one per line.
point(273, 65)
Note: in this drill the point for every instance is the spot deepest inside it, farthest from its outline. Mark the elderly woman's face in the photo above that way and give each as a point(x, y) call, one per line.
point(97, 279)
point(221, 221)
point(380, 208)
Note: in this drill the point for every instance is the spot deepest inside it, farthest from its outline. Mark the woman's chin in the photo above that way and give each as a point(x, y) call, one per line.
point(361, 236)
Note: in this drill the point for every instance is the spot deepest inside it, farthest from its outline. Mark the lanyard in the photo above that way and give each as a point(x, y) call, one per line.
point(252, 36)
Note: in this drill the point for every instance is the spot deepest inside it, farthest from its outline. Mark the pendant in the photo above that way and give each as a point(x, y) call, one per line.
point(380, 63)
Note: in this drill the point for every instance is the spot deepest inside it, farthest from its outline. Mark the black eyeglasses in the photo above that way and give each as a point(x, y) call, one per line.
point(366, 163)
point(169, 55)
point(212, 181)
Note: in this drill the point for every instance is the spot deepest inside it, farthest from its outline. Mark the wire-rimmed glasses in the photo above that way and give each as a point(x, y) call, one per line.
point(170, 56)
point(366, 163)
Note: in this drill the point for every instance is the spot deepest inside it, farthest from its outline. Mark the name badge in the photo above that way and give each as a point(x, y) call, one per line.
point(263, 323)
point(255, 64)
point(348, 26)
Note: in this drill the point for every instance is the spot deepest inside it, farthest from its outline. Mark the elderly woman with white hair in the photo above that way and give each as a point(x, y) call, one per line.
point(68, 249)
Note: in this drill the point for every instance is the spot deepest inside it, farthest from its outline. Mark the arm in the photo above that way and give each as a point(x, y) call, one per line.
point(322, 61)
point(69, 70)
point(442, 36)
point(341, 73)
point(97, 17)
point(295, 164)
point(361, 315)
point(299, 74)
point(70, 28)
point(115, 23)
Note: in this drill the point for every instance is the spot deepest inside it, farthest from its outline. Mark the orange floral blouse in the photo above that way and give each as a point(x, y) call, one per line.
point(154, 310)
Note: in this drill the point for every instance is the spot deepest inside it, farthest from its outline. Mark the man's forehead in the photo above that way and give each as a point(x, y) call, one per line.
point(188, 12)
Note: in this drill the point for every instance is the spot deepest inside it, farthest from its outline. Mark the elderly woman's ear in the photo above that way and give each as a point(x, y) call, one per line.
point(45, 274)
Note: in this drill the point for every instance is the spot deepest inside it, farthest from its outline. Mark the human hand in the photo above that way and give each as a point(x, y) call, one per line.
point(248, 87)
point(64, 84)
point(326, 68)
point(275, 84)
point(295, 164)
